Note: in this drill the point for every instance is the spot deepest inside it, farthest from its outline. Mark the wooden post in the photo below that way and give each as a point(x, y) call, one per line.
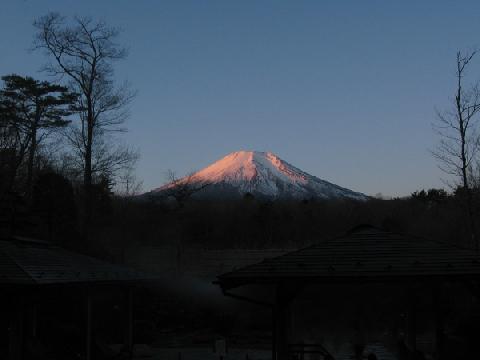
point(16, 331)
point(412, 322)
point(88, 334)
point(34, 320)
point(281, 342)
point(284, 331)
point(129, 321)
point(11, 336)
point(284, 297)
point(439, 322)
point(274, 333)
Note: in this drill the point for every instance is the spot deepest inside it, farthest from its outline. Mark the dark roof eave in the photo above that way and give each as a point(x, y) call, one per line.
point(231, 283)
point(77, 283)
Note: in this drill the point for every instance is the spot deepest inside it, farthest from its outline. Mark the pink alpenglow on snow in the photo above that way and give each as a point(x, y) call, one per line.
point(261, 174)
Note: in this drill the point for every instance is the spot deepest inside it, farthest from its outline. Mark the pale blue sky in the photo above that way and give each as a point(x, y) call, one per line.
point(345, 90)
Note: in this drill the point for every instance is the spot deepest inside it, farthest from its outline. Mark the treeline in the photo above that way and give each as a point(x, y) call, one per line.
point(251, 223)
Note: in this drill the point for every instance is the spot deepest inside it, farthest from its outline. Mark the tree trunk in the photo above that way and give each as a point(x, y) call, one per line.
point(31, 160)
point(463, 157)
point(87, 175)
point(471, 219)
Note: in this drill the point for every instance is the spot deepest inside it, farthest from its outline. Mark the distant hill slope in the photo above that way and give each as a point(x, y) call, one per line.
point(262, 174)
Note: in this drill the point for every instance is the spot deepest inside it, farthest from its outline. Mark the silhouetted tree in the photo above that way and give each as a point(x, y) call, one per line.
point(54, 201)
point(184, 188)
point(128, 185)
point(13, 147)
point(38, 109)
point(102, 198)
point(430, 196)
point(459, 143)
point(84, 51)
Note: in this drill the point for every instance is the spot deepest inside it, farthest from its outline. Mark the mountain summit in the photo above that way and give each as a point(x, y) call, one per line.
point(263, 174)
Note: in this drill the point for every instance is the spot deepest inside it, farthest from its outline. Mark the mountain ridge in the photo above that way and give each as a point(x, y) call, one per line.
point(262, 174)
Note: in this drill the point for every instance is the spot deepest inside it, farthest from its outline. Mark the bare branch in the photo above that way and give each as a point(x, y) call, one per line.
point(84, 50)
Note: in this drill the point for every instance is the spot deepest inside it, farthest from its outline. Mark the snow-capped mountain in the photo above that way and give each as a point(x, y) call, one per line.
point(263, 174)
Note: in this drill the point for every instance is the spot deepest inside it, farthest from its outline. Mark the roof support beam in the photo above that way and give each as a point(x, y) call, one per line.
point(439, 321)
point(33, 325)
point(412, 323)
point(129, 321)
point(285, 294)
point(16, 330)
point(88, 327)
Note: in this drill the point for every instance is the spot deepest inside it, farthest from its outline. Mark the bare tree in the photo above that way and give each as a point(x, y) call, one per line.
point(127, 184)
point(182, 189)
point(458, 148)
point(83, 51)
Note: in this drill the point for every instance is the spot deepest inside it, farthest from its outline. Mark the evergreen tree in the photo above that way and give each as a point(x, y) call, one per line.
point(37, 108)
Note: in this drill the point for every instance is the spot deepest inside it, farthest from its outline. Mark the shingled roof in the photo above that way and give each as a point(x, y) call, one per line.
point(31, 262)
point(363, 253)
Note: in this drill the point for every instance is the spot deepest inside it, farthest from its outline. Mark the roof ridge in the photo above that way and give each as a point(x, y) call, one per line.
point(436, 241)
point(406, 234)
point(402, 255)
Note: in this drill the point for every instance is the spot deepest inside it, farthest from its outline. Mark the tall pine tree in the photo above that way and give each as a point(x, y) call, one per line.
point(37, 108)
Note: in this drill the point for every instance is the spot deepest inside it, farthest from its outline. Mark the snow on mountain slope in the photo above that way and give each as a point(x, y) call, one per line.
point(262, 174)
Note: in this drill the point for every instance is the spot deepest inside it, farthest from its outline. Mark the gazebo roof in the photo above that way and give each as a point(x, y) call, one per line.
point(365, 253)
point(26, 261)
